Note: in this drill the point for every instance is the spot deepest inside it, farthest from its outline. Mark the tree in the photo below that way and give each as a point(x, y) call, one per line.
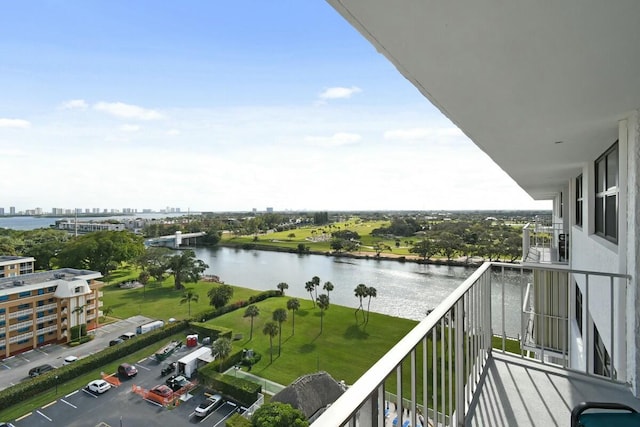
point(271, 329)
point(425, 248)
point(251, 311)
point(277, 414)
point(371, 293)
point(323, 304)
point(293, 304)
point(186, 268)
point(360, 292)
point(107, 311)
point(309, 288)
point(282, 286)
point(316, 284)
point(188, 297)
point(279, 315)
point(222, 347)
point(43, 245)
point(291, 236)
point(78, 310)
point(219, 296)
point(328, 286)
point(379, 247)
point(101, 250)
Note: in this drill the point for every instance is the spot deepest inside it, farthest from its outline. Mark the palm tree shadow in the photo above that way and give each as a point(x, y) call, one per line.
point(354, 332)
point(307, 348)
point(302, 313)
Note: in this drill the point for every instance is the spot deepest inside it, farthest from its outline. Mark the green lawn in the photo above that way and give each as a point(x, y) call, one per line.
point(161, 300)
point(344, 349)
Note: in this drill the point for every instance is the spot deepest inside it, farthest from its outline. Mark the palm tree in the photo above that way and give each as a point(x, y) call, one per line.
point(78, 310)
point(279, 315)
point(188, 297)
point(293, 304)
point(371, 293)
point(316, 284)
point(282, 286)
point(309, 288)
point(360, 292)
point(222, 347)
point(251, 311)
point(106, 312)
point(271, 329)
point(328, 286)
point(323, 303)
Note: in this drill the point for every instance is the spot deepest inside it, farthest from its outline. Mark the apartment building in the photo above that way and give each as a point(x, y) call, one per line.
point(11, 266)
point(41, 308)
point(548, 90)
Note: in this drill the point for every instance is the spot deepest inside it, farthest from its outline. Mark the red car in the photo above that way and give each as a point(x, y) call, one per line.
point(160, 394)
point(127, 370)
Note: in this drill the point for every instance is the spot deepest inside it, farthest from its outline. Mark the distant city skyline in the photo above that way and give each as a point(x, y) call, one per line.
point(223, 107)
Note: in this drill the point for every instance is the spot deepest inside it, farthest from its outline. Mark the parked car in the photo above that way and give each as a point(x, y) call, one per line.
point(98, 386)
point(6, 424)
point(115, 341)
point(69, 359)
point(39, 370)
point(127, 370)
point(206, 407)
point(160, 393)
point(176, 382)
point(127, 336)
point(168, 368)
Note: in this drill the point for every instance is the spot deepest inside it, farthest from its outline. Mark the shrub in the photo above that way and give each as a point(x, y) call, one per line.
point(239, 389)
point(237, 420)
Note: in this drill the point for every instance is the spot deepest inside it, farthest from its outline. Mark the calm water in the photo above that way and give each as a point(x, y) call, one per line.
point(405, 290)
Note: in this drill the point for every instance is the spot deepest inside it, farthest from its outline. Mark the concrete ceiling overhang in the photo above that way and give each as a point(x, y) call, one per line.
point(517, 76)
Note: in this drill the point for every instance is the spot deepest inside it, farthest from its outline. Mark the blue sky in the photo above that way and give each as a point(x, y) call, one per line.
point(221, 106)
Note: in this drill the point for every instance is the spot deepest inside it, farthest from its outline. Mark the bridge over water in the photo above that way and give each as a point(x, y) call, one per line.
point(174, 240)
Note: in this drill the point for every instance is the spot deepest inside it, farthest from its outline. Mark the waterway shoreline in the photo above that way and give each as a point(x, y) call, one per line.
point(460, 262)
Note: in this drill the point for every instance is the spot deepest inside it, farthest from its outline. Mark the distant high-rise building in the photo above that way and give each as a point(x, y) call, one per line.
point(1, 211)
point(12, 210)
point(269, 210)
point(38, 211)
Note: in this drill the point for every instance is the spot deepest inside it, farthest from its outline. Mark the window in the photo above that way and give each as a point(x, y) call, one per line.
point(601, 360)
point(4, 297)
point(78, 289)
point(24, 294)
point(561, 204)
point(579, 308)
point(606, 209)
point(40, 291)
point(579, 200)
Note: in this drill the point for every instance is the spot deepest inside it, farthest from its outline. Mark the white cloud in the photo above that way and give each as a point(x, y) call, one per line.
point(337, 139)
point(12, 152)
point(173, 132)
point(421, 134)
point(339, 92)
point(74, 104)
point(130, 128)
point(127, 111)
point(14, 123)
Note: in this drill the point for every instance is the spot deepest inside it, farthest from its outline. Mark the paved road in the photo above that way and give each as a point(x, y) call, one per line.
point(16, 368)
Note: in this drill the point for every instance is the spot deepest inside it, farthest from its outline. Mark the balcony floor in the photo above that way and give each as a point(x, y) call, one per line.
point(515, 392)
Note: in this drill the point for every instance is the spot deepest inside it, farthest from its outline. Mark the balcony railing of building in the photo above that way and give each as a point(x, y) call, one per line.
point(20, 325)
point(21, 337)
point(47, 318)
point(433, 373)
point(46, 307)
point(545, 242)
point(20, 313)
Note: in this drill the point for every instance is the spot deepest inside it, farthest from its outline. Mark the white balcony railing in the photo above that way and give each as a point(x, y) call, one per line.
point(432, 375)
point(545, 243)
point(20, 325)
point(19, 313)
point(47, 307)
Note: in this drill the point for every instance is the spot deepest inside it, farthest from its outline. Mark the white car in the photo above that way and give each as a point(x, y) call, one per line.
point(69, 359)
point(98, 386)
point(205, 408)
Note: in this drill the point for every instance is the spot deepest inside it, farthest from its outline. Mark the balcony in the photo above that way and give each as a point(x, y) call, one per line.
point(459, 365)
point(545, 242)
point(20, 313)
point(47, 307)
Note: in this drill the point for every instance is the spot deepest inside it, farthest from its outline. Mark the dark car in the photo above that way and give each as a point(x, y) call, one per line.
point(168, 368)
point(127, 370)
point(115, 342)
point(39, 370)
point(176, 382)
point(127, 336)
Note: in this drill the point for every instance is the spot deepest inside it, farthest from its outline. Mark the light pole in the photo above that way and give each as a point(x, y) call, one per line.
point(56, 385)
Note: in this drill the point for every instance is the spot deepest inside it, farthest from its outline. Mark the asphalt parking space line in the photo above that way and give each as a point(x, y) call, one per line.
point(24, 416)
point(6, 366)
point(142, 360)
point(90, 394)
point(41, 351)
point(49, 404)
point(72, 393)
point(143, 367)
point(70, 404)
point(44, 416)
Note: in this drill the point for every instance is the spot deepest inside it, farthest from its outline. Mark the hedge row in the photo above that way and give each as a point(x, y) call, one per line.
point(212, 314)
point(19, 392)
point(237, 420)
point(245, 392)
point(207, 330)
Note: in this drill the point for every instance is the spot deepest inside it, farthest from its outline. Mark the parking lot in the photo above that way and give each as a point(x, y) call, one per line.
point(119, 406)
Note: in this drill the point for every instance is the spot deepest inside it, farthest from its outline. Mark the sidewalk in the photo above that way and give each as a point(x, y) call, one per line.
point(268, 387)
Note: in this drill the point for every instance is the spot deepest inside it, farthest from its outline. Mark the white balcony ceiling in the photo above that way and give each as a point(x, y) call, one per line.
point(516, 76)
